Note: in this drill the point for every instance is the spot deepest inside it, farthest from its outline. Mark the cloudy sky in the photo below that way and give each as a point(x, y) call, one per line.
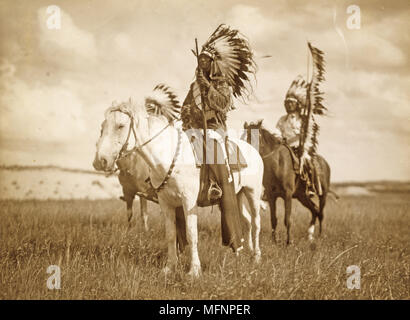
point(56, 84)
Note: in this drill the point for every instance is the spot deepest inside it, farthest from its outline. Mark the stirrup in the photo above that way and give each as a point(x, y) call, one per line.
point(311, 193)
point(214, 191)
point(264, 196)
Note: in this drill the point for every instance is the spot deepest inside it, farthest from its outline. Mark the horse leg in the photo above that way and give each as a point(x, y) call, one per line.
point(192, 237)
point(322, 203)
point(170, 235)
point(288, 211)
point(253, 198)
point(143, 212)
point(313, 209)
point(129, 199)
point(273, 219)
point(246, 220)
point(182, 241)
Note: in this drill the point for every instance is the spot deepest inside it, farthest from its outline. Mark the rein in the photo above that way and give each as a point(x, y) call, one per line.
point(268, 155)
point(124, 152)
point(263, 156)
point(171, 167)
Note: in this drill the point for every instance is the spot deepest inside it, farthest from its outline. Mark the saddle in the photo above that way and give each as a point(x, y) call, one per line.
point(295, 158)
point(127, 177)
point(236, 159)
point(229, 153)
point(309, 177)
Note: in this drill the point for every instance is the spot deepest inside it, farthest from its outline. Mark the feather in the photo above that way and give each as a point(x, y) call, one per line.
point(233, 59)
point(297, 90)
point(163, 101)
point(316, 96)
point(314, 106)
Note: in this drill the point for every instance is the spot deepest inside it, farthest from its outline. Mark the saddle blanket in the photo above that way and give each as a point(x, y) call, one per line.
point(216, 151)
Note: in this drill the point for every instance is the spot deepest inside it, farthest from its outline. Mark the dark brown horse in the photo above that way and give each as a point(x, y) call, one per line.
point(281, 180)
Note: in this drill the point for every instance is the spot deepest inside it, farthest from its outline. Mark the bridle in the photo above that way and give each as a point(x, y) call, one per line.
point(124, 152)
point(248, 140)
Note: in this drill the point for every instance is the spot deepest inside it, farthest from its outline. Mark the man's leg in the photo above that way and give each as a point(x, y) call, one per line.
point(230, 220)
point(230, 215)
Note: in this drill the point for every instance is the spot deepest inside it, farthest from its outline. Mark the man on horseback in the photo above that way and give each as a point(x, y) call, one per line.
point(222, 66)
point(289, 128)
point(299, 128)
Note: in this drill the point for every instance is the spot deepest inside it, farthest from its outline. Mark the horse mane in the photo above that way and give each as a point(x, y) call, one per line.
point(130, 107)
point(269, 137)
point(125, 107)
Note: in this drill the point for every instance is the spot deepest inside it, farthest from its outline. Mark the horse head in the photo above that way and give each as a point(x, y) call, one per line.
point(115, 134)
point(124, 120)
point(267, 141)
point(255, 126)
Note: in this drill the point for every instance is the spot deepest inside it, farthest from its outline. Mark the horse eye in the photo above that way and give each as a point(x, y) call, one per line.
point(120, 126)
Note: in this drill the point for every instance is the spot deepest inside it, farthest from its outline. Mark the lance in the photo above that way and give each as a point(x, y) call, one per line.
point(306, 114)
point(198, 101)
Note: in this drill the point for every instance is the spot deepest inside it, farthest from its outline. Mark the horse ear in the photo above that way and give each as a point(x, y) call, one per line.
point(245, 125)
point(130, 100)
point(260, 122)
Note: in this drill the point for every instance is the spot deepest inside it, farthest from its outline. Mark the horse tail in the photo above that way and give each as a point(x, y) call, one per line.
point(325, 165)
point(334, 194)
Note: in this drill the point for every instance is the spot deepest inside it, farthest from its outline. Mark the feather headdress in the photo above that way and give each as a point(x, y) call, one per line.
point(297, 91)
point(232, 58)
point(163, 101)
point(314, 106)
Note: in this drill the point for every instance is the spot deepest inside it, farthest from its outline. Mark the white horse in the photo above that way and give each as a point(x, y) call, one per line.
point(173, 172)
point(133, 171)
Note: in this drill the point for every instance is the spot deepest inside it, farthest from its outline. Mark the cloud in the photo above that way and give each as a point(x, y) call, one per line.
point(69, 42)
point(371, 51)
point(250, 20)
point(37, 112)
point(58, 91)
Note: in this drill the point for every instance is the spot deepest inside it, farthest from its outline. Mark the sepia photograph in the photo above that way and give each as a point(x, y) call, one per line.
point(204, 150)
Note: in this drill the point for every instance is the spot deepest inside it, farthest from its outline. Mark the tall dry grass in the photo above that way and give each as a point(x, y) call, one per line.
point(100, 258)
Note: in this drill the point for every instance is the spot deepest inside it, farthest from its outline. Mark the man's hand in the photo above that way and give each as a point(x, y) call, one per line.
point(201, 79)
point(305, 159)
point(292, 140)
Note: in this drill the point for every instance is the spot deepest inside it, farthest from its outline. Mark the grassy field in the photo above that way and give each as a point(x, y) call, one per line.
point(100, 258)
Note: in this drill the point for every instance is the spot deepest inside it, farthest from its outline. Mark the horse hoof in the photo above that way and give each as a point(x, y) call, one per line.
point(166, 271)
point(273, 238)
point(312, 246)
point(194, 272)
point(257, 258)
point(238, 250)
point(310, 237)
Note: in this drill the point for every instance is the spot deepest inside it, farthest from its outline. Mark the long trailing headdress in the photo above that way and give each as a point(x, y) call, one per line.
point(232, 57)
point(314, 106)
point(163, 101)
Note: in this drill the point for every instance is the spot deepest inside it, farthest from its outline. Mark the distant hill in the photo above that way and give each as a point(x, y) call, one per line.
point(55, 182)
point(374, 187)
point(48, 167)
